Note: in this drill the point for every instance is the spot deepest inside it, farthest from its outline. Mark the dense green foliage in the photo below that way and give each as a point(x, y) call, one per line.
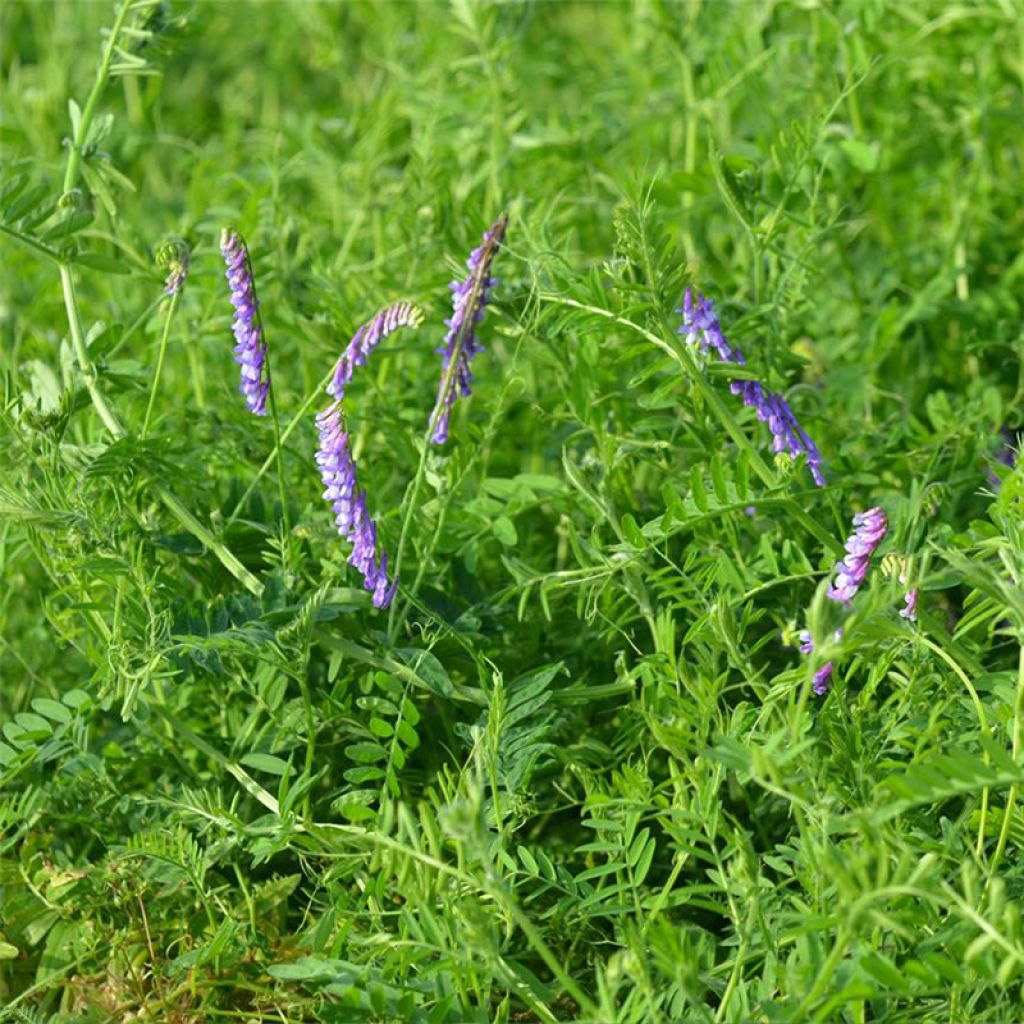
point(577, 772)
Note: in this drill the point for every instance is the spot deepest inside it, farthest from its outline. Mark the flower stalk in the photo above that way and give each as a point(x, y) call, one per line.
point(334, 454)
point(461, 344)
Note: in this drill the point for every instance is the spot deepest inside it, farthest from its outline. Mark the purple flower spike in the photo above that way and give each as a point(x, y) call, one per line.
point(850, 572)
point(353, 522)
point(823, 679)
point(909, 612)
point(367, 338)
point(250, 348)
point(701, 327)
point(469, 298)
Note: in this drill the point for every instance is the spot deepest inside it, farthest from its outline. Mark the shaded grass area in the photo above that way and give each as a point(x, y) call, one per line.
point(578, 773)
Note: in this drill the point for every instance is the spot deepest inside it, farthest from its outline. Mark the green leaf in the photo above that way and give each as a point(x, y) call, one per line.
point(366, 753)
point(697, 491)
point(504, 529)
point(266, 763)
point(77, 699)
point(381, 728)
point(35, 727)
point(52, 709)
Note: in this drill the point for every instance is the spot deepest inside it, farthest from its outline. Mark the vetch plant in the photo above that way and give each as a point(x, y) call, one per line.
point(250, 344)
point(367, 338)
point(353, 522)
point(850, 574)
point(701, 327)
point(567, 774)
point(461, 344)
point(334, 455)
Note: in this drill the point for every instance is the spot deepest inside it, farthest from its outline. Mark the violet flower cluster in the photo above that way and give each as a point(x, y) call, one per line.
point(850, 574)
point(469, 298)
point(367, 338)
point(334, 454)
point(250, 346)
point(338, 473)
point(701, 327)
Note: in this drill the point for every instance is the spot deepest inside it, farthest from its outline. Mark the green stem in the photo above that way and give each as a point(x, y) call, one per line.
point(158, 372)
point(84, 124)
point(85, 363)
point(271, 458)
point(473, 302)
point(979, 846)
point(203, 534)
point(278, 452)
point(1011, 799)
point(32, 243)
point(447, 380)
point(395, 621)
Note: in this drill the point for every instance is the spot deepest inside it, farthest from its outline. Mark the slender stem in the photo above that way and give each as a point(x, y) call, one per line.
point(85, 363)
point(1011, 799)
point(285, 434)
point(84, 124)
point(410, 504)
point(447, 380)
point(197, 378)
point(278, 452)
point(202, 533)
point(30, 242)
point(979, 846)
point(307, 703)
point(172, 307)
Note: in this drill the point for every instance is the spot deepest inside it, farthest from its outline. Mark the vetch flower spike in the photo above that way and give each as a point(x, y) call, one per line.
point(701, 327)
point(849, 575)
point(367, 338)
point(353, 522)
point(250, 346)
point(469, 298)
point(850, 572)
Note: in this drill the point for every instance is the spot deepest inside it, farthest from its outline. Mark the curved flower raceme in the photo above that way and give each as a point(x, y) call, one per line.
point(250, 346)
point(338, 473)
point(334, 455)
point(469, 298)
point(850, 572)
point(367, 338)
point(849, 575)
point(701, 327)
